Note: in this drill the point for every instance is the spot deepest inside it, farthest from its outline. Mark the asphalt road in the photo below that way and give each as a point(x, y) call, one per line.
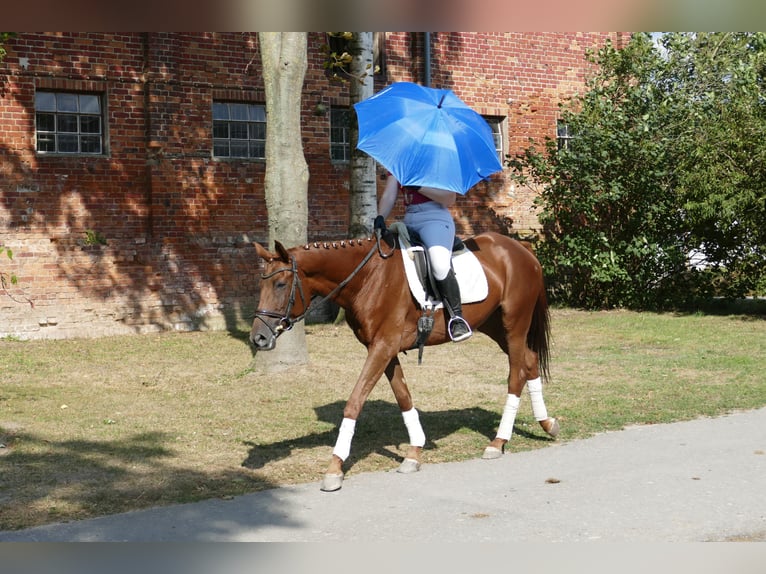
point(703, 480)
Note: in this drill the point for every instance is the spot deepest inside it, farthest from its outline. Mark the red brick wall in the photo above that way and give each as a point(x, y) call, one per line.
point(178, 225)
point(520, 76)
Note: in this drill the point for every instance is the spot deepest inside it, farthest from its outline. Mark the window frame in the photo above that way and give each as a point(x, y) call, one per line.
point(254, 126)
point(498, 136)
point(70, 112)
point(564, 135)
point(344, 145)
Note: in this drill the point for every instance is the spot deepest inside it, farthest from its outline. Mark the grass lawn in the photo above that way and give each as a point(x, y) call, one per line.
point(90, 427)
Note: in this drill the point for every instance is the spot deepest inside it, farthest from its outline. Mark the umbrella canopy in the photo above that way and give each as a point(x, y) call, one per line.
point(427, 136)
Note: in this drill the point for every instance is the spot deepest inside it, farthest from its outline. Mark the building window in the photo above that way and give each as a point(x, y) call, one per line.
point(564, 135)
point(68, 122)
point(496, 125)
point(340, 143)
point(239, 130)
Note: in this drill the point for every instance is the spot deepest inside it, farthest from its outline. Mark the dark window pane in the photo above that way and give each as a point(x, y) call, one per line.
point(339, 153)
point(66, 102)
point(339, 117)
point(90, 124)
point(67, 123)
point(90, 144)
point(258, 131)
point(220, 130)
point(45, 101)
point(257, 149)
point(238, 131)
point(239, 149)
point(337, 135)
point(46, 142)
point(46, 122)
point(68, 144)
point(221, 148)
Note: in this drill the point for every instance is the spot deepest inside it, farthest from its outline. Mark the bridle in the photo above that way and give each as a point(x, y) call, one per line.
point(285, 320)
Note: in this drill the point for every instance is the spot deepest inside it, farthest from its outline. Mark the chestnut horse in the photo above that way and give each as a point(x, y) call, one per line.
point(363, 278)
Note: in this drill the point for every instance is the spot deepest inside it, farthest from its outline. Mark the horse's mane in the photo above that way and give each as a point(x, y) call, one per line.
point(338, 244)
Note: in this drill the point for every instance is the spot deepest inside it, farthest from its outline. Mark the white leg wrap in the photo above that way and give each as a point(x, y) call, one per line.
point(505, 430)
point(345, 434)
point(535, 387)
point(412, 422)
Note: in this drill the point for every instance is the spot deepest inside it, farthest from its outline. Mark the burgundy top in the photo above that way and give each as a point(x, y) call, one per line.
point(412, 196)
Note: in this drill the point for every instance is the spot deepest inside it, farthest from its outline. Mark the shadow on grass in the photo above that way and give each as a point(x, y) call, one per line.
point(44, 481)
point(750, 309)
point(381, 424)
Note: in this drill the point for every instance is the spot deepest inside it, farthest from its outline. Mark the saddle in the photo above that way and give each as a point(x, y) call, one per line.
point(468, 271)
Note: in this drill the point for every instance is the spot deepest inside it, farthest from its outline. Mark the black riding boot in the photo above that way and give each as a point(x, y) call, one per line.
point(457, 327)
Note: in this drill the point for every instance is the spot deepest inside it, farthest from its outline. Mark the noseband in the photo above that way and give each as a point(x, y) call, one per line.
point(286, 321)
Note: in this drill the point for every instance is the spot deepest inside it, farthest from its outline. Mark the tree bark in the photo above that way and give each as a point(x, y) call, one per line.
point(362, 186)
point(284, 57)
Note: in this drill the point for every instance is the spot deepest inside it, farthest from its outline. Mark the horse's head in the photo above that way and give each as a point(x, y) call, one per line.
point(282, 302)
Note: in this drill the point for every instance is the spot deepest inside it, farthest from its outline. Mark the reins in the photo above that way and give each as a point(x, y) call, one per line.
point(286, 322)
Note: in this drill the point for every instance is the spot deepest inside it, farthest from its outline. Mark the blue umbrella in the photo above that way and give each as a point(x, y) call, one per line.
point(426, 136)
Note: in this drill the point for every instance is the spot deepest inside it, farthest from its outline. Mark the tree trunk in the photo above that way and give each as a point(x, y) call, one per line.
point(284, 57)
point(362, 186)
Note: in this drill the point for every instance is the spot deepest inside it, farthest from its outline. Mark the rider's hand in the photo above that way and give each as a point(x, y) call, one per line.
point(380, 223)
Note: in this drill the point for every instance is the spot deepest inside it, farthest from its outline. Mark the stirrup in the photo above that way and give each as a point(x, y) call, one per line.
point(457, 321)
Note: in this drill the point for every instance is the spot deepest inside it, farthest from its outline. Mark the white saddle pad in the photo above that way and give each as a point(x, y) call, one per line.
point(468, 270)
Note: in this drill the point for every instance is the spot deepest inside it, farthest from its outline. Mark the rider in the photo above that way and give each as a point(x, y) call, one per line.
point(427, 213)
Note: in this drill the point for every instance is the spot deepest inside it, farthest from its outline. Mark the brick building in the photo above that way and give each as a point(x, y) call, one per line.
point(130, 181)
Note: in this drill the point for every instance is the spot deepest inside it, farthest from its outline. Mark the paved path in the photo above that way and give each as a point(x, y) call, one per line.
point(692, 481)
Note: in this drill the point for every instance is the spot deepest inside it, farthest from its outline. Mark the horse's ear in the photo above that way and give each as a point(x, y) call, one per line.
point(264, 253)
point(282, 252)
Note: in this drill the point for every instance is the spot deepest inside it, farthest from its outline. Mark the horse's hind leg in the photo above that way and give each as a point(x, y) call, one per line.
point(515, 347)
point(395, 376)
point(535, 388)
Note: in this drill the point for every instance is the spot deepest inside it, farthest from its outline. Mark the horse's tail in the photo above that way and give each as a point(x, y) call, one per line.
point(538, 337)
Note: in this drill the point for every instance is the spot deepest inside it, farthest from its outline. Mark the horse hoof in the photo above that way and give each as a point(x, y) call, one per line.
point(551, 426)
point(331, 482)
point(409, 465)
point(491, 453)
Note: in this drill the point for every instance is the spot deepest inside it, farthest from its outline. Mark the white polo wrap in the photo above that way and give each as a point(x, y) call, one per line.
point(415, 430)
point(505, 430)
point(345, 434)
point(535, 387)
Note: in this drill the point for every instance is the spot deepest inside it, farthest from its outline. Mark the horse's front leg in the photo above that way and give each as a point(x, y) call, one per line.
point(395, 376)
point(377, 359)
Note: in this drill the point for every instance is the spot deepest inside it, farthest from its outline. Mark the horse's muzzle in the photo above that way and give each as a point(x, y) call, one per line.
point(263, 339)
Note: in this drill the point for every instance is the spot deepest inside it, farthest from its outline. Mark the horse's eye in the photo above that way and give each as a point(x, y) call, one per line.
point(280, 285)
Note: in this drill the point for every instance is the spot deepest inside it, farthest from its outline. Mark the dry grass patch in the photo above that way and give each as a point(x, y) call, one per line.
point(94, 427)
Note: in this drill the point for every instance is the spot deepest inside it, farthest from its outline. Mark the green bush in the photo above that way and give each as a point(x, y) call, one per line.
point(621, 205)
